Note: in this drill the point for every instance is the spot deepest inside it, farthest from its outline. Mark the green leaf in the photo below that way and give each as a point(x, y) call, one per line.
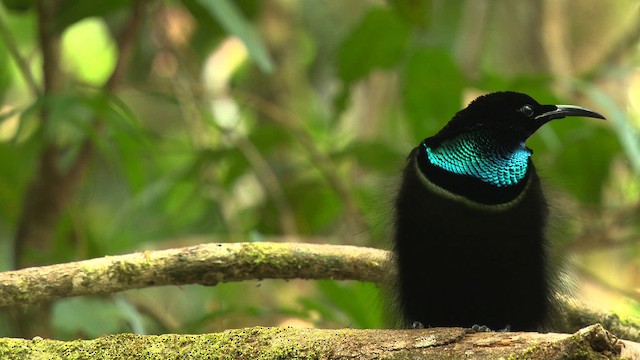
point(89, 51)
point(378, 41)
point(235, 23)
point(70, 117)
point(432, 90)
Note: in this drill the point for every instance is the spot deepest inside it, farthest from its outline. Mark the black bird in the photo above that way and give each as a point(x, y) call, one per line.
point(470, 245)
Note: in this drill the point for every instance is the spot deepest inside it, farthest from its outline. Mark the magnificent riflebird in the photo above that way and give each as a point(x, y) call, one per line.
point(470, 219)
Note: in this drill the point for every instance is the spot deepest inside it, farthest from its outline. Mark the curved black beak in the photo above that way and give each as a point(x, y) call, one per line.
point(560, 111)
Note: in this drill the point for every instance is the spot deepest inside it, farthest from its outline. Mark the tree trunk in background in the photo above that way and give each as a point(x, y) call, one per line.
point(49, 192)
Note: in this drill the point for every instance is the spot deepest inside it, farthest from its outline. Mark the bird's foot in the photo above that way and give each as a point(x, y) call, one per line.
point(417, 325)
point(480, 328)
point(484, 328)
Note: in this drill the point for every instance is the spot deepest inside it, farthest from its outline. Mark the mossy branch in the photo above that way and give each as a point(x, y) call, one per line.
point(296, 343)
point(207, 264)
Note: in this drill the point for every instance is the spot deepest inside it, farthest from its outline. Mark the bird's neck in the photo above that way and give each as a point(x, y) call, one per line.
point(479, 166)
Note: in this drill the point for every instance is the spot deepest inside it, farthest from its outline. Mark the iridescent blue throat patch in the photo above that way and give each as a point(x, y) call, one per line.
point(478, 155)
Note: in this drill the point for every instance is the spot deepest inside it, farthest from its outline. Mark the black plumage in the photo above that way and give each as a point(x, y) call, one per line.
point(470, 244)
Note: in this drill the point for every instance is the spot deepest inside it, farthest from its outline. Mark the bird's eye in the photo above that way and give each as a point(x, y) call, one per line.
point(527, 110)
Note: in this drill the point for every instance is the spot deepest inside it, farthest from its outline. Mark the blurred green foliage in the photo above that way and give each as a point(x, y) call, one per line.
point(302, 139)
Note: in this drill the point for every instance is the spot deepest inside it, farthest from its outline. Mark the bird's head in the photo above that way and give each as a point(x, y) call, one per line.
point(513, 115)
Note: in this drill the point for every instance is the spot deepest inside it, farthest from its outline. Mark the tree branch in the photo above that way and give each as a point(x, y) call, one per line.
point(295, 343)
point(207, 264)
